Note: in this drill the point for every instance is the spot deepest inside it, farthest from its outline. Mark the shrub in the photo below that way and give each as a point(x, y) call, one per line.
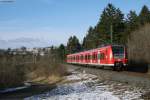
point(45, 66)
point(15, 69)
point(139, 45)
point(10, 73)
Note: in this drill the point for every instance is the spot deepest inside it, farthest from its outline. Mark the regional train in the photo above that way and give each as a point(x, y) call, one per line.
point(114, 56)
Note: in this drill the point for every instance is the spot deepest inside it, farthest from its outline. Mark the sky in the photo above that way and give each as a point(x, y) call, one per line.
point(51, 22)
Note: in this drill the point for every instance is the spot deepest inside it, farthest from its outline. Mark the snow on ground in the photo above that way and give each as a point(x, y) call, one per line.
point(81, 76)
point(90, 88)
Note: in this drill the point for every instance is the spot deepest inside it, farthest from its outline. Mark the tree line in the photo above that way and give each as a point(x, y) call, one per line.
point(112, 20)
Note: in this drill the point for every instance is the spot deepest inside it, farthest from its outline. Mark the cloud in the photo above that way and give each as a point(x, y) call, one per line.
point(27, 42)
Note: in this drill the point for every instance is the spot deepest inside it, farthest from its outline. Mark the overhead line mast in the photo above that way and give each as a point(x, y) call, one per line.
point(111, 33)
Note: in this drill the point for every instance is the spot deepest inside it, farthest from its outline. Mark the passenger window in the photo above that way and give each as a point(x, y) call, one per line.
point(102, 56)
point(99, 56)
point(94, 56)
point(81, 57)
point(85, 57)
point(89, 57)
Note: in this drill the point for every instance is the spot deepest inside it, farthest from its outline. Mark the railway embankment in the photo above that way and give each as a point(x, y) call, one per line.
point(132, 78)
point(81, 85)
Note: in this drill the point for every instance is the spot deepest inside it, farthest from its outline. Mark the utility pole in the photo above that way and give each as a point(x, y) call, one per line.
point(111, 33)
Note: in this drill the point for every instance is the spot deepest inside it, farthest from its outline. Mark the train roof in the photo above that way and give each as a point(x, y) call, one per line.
point(101, 46)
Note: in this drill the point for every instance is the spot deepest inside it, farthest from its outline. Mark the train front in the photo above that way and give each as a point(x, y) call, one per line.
point(119, 57)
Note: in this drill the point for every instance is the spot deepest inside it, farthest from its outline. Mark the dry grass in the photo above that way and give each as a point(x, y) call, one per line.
point(46, 71)
point(13, 70)
point(10, 73)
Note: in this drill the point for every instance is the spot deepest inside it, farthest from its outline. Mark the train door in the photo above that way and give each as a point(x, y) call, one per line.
point(81, 58)
point(106, 56)
point(98, 57)
point(94, 57)
point(86, 58)
point(102, 57)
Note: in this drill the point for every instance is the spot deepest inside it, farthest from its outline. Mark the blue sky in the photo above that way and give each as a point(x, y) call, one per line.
point(54, 21)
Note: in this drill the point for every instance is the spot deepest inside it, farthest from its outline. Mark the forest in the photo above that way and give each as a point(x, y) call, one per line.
point(129, 30)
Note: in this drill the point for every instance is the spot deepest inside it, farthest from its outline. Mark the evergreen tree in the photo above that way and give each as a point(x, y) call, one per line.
point(144, 15)
point(111, 16)
point(73, 45)
point(62, 52)
point(132, 21)
point(90, 41)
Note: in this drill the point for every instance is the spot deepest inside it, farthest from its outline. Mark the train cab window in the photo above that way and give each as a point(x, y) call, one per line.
point(118, 51)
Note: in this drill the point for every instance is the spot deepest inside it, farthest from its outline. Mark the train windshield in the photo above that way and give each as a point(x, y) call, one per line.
point(118, 51)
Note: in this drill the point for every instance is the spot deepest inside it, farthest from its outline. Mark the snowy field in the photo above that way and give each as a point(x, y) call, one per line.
point(82, 86)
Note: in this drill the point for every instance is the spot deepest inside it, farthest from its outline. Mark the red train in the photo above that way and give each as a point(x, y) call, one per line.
point(114, 56)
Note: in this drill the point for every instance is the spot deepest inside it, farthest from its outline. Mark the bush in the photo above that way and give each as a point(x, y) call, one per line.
point(139, 45)
point(10, 73)
point(139, 48)
point(45, 66)
point(15, 69)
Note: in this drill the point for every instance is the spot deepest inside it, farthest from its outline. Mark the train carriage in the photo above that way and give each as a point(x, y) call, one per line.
point(110, 55)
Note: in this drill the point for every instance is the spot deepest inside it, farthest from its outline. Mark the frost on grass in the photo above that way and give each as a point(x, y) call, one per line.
point(90, 88)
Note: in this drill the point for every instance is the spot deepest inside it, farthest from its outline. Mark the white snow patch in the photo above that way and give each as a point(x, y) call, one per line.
point(81, 76)
point(90, 88)
point(86, 96)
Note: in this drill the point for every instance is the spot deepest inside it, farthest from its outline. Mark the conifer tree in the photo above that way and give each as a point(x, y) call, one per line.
point(111, 16)
point(73, 45)
point(132, 21)
point(62, 52)
point(144, 15)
